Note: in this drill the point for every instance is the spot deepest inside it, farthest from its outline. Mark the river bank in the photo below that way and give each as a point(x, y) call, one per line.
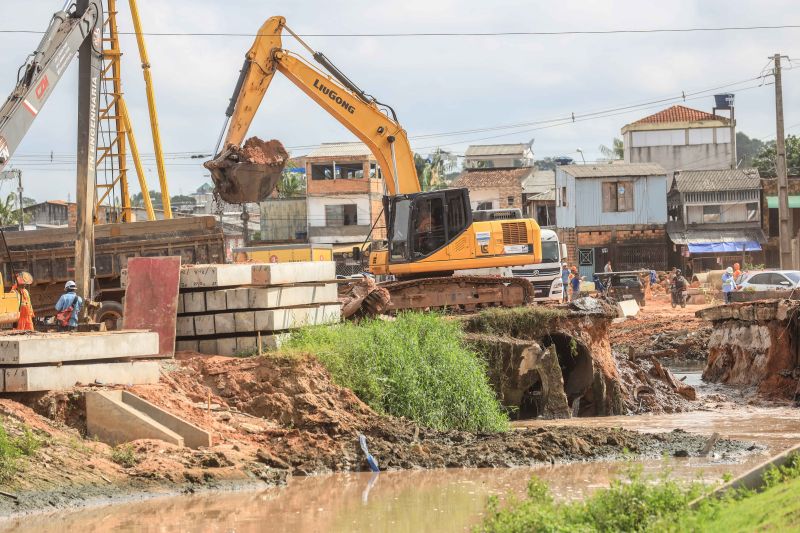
point(274, 417)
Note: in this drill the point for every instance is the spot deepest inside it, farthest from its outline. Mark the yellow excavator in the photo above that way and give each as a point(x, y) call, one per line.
point(431, 235)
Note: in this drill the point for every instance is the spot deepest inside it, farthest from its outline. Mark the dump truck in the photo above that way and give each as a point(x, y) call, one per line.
point(49, 255)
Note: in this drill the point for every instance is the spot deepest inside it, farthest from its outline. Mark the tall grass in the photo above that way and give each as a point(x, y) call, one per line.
point(416, 366)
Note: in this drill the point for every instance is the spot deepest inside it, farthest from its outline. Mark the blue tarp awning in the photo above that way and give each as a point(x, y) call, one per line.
point(717, 247)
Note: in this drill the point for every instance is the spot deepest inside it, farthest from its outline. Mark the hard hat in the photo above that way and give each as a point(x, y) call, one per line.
point(729, 270)
point(70, 285)
point(563, 264)
point(678, 271)
point(24, 278)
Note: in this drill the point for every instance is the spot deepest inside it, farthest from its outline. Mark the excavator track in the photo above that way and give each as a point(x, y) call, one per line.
point(458, 293)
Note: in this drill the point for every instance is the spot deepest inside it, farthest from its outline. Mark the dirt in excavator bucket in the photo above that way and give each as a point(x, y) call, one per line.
point(249, 173)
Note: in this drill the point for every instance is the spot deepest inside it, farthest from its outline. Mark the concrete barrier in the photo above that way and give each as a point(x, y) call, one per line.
point(67, 347)
point(39, 378)
point(120, 416)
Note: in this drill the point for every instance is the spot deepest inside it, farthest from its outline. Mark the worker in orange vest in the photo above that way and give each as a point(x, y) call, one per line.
point(25, 322)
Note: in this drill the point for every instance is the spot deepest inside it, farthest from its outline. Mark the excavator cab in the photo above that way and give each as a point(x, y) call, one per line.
point(420, 224)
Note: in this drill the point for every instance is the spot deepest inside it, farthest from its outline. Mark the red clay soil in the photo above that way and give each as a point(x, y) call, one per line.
point(261, 152)
point(663, 332)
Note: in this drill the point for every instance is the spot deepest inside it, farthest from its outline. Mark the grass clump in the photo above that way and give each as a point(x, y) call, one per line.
point(517, 322)
point(125, 455)
point(12, 449)
point(639, 503)
point(416, 366)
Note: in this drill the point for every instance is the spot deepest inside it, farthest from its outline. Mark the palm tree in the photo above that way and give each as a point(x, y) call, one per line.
point(438, 164)
point(9, 214)
point(617, 150)
point(291, 185)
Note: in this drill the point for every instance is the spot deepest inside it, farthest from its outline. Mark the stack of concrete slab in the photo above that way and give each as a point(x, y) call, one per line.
point(53, 361)
point(225, 309)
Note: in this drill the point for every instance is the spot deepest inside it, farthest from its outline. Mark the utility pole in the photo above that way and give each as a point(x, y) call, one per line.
point(784, 215)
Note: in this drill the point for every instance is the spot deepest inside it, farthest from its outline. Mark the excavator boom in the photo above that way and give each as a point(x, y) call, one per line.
point(429, 233)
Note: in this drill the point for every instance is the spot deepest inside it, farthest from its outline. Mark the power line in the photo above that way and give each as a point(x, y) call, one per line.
point(633, 31)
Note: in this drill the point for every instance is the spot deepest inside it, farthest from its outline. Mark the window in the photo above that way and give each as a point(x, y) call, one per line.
point(456, 214)
point(428, 226)
point(563, 197)
point(374, 170)
point(341, 215)
point(617, 196)
point(399, 229)
point(510, 201)
point(484, 205)
point(752, 211)
point(321, 172)
point(759, 279)
point(711, 213)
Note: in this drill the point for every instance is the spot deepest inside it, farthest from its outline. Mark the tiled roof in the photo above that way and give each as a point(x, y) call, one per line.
point(717, 180)
point(348, 149)
point(485, 178)
point(482, 150)
point(679, 113)
point(613, 171)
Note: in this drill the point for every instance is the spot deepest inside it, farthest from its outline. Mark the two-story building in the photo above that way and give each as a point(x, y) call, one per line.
point(615, 212)
point(493, 188)
point(681, 138)
point(498, 156)
point(715, 218)
point(344, 198)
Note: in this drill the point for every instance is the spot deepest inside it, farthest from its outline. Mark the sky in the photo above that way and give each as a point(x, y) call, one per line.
point(436, 84)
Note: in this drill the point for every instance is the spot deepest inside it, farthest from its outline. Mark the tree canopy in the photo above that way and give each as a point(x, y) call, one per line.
point(765, 160)
point(747, 149)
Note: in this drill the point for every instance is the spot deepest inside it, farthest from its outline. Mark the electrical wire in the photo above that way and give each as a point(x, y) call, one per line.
point(458, 33)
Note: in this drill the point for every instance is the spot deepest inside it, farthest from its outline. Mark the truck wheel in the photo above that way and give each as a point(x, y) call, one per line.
point(109, 313)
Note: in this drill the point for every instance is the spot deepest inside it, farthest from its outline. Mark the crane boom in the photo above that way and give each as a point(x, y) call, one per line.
point(43, 69)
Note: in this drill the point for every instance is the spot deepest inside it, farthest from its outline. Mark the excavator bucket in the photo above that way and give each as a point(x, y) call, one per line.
point(250, 173)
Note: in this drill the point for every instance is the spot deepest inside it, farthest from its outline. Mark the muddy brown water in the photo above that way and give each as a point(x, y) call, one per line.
point(434, 500)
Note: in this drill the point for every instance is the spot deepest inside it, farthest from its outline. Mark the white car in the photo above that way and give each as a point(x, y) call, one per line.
point(775, 280)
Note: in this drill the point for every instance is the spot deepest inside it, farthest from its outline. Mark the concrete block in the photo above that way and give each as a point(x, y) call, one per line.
point(300, 272)
point(194, 302)
point(297, 295)
point(278, 319)
point(186, 346)
point(112, 421)
point(180, 304)
point(216, 301)
point(208, 276)
point(248, 344)
point(193, 436)
point(185, 326)
point(236, 299)
point(627, 308)
point(244, 321)
point(207, 346)
point(40, 378)
point(204, 325)
point(224, 323)
point(226, 346)
point(62, 347)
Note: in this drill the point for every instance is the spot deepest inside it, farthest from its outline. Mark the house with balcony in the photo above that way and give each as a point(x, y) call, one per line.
point(613, 212)
point(499, 155)
point(344, 198)
point(715, 219)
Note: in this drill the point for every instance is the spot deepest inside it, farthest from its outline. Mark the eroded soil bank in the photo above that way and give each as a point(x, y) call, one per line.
point(272, 417)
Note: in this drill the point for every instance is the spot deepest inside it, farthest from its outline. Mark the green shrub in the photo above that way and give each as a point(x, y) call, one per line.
point(416, 366)
point(125, 456)
point(9, 454)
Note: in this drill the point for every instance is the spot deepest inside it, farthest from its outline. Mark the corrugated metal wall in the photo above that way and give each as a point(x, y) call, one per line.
point(283, 219)
point(649, 203)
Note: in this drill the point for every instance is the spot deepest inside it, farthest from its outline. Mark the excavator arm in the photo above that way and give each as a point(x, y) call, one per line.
point(334, 92)
point(43, 69)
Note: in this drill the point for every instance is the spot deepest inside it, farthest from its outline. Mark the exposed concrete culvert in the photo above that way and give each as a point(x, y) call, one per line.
point(577, 370)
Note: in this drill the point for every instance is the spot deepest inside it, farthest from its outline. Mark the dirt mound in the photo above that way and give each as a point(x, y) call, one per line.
point(289, 413)
point(262, 152)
